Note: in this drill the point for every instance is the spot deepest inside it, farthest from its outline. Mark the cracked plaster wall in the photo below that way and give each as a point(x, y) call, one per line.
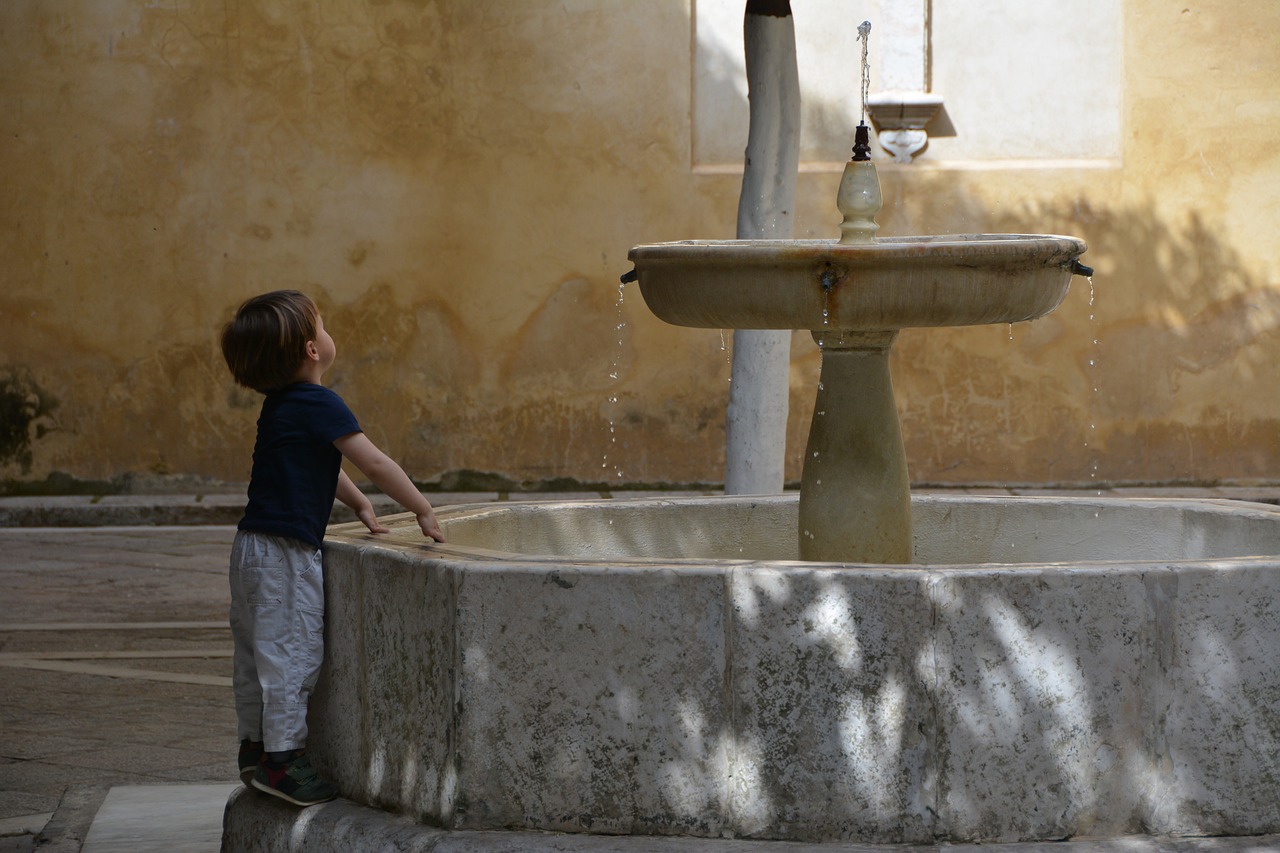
point(458, 185)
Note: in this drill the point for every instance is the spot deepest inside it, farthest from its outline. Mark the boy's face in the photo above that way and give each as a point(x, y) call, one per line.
point(326, 350)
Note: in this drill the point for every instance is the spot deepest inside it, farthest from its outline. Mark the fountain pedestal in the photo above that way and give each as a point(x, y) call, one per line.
point(855, 494)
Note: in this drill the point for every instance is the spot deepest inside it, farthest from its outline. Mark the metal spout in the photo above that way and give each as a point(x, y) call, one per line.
point(862, 142)
point(1078, 268)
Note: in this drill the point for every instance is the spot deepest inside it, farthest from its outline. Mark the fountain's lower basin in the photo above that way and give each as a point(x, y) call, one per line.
point(1057, 668)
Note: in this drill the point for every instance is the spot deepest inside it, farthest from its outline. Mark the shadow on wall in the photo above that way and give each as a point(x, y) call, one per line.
point(1158, 370)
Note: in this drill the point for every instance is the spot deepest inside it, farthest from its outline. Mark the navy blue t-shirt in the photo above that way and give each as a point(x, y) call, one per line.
point(295, 465)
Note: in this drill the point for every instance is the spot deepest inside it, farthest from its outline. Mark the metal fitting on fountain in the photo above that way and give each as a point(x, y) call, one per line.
point(862, 142)
point(859, 198)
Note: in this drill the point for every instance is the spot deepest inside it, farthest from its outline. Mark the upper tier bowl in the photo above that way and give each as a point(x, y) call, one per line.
point(892, 283)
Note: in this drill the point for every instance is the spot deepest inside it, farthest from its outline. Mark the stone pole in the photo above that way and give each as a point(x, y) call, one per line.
point(756, 421)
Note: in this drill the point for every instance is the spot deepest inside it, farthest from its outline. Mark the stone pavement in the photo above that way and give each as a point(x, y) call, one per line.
point(116, 661)
point(116, 726)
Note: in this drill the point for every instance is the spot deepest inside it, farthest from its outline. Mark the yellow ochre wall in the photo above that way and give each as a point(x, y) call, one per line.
point(458, 183)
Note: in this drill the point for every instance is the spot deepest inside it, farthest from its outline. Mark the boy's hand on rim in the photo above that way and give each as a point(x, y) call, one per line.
point(430, 527)
point(370, 520)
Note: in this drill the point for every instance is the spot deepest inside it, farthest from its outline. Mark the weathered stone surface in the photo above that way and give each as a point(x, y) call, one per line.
point(1221, 709)
point(592, 699)
point(831, 713)
point(1041, 683)
point(390, 658)
point(812, 702)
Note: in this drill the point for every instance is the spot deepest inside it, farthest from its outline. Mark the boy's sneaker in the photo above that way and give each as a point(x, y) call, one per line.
point(294, 781)
point(250, 755)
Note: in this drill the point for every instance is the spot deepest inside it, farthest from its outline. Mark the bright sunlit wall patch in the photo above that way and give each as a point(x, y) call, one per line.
point(1025, 82)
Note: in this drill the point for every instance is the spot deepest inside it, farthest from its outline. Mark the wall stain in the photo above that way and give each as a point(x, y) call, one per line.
point(25, 408)
point(357, 254)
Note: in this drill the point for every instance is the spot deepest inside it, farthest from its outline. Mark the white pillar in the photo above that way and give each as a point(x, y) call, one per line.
point(756, 421)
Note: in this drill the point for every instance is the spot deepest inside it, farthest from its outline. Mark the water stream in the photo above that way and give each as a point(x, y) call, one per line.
point(1091, 439)
point(615, 372)
point(864, 31)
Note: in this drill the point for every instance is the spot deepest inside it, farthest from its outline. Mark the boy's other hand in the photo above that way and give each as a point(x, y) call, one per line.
point(430, 527)
point(370, 521)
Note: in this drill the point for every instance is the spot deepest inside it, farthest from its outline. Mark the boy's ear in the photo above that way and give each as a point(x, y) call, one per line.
point(312, 352)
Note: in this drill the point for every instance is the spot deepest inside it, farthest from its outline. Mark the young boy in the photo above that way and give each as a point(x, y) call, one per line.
point(277, 344)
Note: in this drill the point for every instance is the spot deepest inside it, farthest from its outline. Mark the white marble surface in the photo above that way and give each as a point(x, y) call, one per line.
point(159, 819)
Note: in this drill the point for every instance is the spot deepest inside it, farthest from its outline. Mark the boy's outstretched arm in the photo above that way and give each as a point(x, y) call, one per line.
point(349, 493)
point(390, 478)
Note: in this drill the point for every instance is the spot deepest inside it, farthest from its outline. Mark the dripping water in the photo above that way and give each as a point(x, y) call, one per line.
point(615, 371)
point(1091, 438)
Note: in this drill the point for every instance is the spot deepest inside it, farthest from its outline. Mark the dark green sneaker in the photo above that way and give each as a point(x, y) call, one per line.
point(250, 755)
point(294, 781)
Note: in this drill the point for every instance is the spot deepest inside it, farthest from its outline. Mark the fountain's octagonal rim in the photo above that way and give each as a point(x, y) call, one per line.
point(954, 533)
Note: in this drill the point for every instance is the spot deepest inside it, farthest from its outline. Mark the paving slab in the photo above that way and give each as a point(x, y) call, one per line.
point(24, 825)
point(80, 610)
point(159, 819)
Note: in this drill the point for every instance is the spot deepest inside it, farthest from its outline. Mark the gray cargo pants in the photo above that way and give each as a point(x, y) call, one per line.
point(277, 626)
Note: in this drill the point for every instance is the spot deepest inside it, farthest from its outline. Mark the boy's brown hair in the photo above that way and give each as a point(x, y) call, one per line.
point(265, 343)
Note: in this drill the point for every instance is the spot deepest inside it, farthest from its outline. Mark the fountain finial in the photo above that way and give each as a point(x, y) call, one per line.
point(859, 196)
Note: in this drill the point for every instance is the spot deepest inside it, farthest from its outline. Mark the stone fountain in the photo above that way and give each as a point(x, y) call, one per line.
point(854, 666)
